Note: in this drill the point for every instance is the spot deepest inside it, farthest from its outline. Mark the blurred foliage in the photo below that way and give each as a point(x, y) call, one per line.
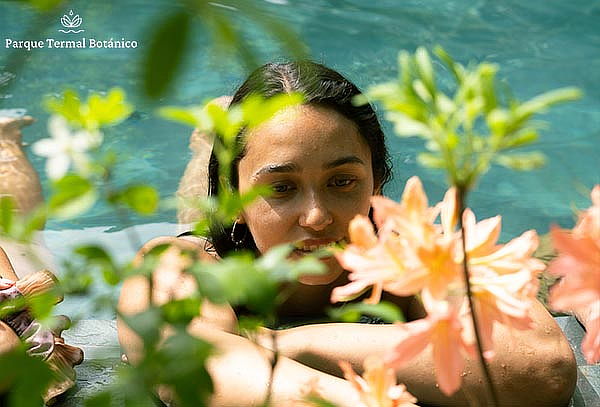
point(464, 133)
point(27, 378)
point(178, 360)
point(169, 39)
point(97, 111)
point(469, 130)
point(383, 310)
point(225, 125)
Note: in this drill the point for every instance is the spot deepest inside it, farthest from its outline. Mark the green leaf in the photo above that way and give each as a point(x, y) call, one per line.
point(27, 378)
point(431, 160)
point(521, 162)
point(143, 199)
point(167, 48)
point(181, 115)
point(72, 196)
point(455, 68)
point(316, 401)
point(209, 286)
point(109, 110)
point(45, 5)
point(352, 312)
point(181, 311)
point(540, 103)
point(146, 324)
point(257, 110)
point(68, 106)
point(41, 305)
point(407, 127)
point(102, 399)
point(7, 209)
point(520, 139)
point(425, 70)
point(99, 257)
point(182, 367)
point(487, 77)
point(497, 121)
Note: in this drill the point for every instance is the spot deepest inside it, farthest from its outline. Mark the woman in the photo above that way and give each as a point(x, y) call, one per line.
point(323, 161)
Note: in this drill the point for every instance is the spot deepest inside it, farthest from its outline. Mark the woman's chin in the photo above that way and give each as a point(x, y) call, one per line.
point(333, 272)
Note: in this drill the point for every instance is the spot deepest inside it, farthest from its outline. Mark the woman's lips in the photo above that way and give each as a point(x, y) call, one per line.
point(313, 245)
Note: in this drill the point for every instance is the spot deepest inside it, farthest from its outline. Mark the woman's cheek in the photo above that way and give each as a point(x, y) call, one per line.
point(266, 225)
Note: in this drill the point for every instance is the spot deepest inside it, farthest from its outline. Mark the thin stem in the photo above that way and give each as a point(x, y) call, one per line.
point(273, 364)
point(461, 194)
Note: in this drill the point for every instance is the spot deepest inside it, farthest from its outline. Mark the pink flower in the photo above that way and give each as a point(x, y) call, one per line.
point(578, 264)
point(377, 387)
point(441, 330)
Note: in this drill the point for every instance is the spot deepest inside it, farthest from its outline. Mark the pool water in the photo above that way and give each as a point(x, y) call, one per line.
point(538, 45)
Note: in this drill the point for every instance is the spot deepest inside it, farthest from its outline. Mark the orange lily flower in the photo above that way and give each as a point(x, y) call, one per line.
point(442, 330)
point(377, 387)
point(578, 264)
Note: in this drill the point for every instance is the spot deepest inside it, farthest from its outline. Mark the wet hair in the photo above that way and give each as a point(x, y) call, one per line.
point(320, 86)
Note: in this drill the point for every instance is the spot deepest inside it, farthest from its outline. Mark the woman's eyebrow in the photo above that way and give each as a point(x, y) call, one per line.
point(351, 159)
point(274, 168)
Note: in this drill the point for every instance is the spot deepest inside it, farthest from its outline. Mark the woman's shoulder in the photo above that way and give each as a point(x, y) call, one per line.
point(184, 241)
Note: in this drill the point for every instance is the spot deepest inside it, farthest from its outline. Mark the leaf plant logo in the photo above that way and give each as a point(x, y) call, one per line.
point(70, 22)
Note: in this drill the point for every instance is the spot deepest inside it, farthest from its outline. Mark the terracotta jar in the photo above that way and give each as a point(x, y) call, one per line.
point(43, 343)
point(17, 176)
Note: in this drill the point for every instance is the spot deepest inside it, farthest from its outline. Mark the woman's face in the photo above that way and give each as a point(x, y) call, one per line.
point(319, 168)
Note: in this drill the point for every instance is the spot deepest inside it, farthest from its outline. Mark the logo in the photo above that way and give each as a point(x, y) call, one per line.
point(70, 22)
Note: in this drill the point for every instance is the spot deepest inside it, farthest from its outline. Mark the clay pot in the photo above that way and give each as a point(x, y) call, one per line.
point(17, 176)
point(60, 357)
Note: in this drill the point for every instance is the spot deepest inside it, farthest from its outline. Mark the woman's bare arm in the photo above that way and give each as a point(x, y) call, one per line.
point(241, 370)
point(531, 368)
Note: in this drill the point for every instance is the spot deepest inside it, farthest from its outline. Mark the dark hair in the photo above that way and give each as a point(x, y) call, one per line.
point(320, 86)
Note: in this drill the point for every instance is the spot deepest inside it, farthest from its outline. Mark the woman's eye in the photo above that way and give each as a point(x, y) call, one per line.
point(281, 188)
point(343, 182)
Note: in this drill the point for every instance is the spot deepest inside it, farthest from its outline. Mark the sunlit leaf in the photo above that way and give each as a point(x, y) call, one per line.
point(540, 103)
point(99, 257)
point(27, 377)
point(146, 324)
point(181, 115)
point(425, 70)
point(352, 312)
point(522, 138)
point(143, 199)
point(431, 160)
point(166, 52)
point(181, 311)
point(316, 401)
point(522, 161)
point(258, 110)
point(100, 399)
point(72, 196)
point(405, 126)
point(41, 305)
point(107, 110)
point(7, 208)
point(68, 106)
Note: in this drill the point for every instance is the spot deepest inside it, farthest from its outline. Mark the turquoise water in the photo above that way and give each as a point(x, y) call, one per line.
point(539, 45)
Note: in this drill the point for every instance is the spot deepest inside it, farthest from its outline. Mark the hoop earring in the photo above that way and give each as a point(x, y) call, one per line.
point(236, 241)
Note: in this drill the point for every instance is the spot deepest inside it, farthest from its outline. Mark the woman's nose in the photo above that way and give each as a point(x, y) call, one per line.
point(315, 214)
